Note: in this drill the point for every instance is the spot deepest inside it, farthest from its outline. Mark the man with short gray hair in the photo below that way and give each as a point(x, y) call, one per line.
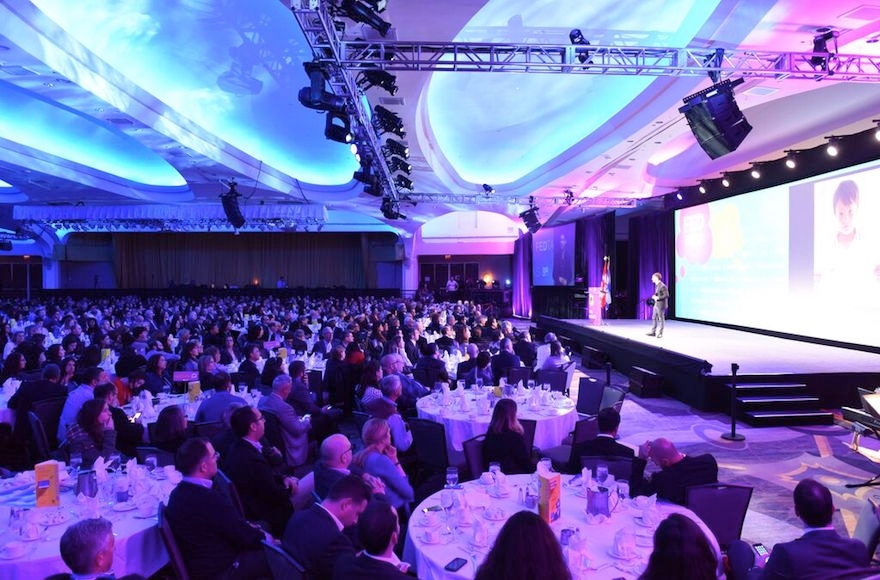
point(294, 429)
point(87, 548)
point(386, 408)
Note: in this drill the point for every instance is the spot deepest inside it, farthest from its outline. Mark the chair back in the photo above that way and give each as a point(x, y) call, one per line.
point(628, 468)
point(473, 454)
point(49, 413)
point(529, 427)
point(208, 430)
point(282, 565)
point(517, 374)
point(225, 486)
point(584, 430)
point(429, 441)
point(316, 385)
point(163, 457)
point(612, 397)
point(426, 377)
point(39, 443)
point(273, 433)
point(174, 554)
point(722, 508)
point(360, 419)
point(868, 525)
point(558, 380)
point(590, 392)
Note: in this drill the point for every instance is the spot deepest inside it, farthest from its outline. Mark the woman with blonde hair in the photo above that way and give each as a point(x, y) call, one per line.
point(379, 459)
point(505, 442)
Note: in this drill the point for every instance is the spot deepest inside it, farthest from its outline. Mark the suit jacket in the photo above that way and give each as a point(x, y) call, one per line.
point(300, 398)
point(509, 449)
point(662, 293)
point(602, 445)
point(432, 365)
point(211, 410)
point(322, 347)
point(294, 431)
point(313, 538)
point(261, 489)
point(526, 351)
point(670, 483)
point(128, 435)
point(250, 372)
point(208, 529)
point(501, 362)
point(818, 554)
point(363, 567)
point(23, 401)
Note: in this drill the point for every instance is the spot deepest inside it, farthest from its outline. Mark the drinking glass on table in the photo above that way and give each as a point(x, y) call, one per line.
point(451, 477)
point(495, 469)
point(622, 489)
point(76, 461)
point(114, 461)
point(447, 500)
point(151, 463)
point(479, 382)
point(601, 473)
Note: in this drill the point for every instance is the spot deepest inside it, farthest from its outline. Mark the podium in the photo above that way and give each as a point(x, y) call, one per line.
point(594, 306)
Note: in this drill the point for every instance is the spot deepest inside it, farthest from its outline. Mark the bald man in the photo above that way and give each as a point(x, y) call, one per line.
point(677, 470)
point(334, 463)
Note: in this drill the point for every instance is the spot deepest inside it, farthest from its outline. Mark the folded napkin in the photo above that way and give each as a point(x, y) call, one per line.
point(131, 466)
point(100, 469)
point(481, 534)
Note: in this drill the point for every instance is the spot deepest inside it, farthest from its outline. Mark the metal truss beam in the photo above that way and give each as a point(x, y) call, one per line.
point(494, 200)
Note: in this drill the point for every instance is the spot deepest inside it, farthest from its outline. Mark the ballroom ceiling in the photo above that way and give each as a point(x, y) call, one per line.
point(141, 103)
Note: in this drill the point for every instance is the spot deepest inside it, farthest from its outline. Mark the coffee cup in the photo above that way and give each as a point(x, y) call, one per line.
point(30, 531)
point(430, 518)
point(487, 478)
point(432, 536)
point(13, 549)
point(146, 509)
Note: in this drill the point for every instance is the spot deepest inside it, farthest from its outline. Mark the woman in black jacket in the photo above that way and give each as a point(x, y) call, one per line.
point(504, 441)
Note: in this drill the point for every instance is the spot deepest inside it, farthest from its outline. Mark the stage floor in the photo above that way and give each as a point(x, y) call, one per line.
point(754, 353)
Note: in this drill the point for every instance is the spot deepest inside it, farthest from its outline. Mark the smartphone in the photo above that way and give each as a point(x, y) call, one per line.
point(761, 550)
point(455, 565)
point(135, 417)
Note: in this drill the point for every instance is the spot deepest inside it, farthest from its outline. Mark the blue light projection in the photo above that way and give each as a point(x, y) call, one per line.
point(4, 184)
point(29, 120)
point(498, 128)
point(233, 68)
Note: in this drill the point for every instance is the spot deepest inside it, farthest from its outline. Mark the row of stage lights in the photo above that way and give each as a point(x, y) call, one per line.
point(838, 151)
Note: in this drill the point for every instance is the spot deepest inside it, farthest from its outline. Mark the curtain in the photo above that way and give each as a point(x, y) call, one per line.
point(522, 276)
point(597, 235)
point(312, 260)
point(650, 247)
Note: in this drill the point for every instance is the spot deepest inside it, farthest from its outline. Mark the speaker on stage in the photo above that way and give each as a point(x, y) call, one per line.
point(231, 208)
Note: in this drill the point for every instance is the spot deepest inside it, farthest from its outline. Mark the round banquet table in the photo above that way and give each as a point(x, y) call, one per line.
point(554, 421)
point(139, 547)
point(590, 557)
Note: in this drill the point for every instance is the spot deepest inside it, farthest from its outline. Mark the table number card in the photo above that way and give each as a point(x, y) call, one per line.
point(46, 476)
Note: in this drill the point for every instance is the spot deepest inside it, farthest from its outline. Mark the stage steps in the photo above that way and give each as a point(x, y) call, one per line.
point(777, 404)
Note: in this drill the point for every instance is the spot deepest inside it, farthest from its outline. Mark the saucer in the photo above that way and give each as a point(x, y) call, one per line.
point(644, 541)
point(494, 515)
point(644, 523)
point(55, 518)
point(39, 536)
point(499, 494)
point(477, 546)
point(613, 553)
point(440, 540)
point(25, 552)
point(125, 506)
point(425, 524)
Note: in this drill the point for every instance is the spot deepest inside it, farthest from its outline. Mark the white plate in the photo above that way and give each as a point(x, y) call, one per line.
point(40, 536)
point(425, 524)
point(499, 516)
point(143, 517)
point(125, 506)
point(440, 540)
point(55, 518)
point(26, 552)
point(644, 541)
point(645, 524)
point(494, 493)
point(476, 546)
point(613, 553)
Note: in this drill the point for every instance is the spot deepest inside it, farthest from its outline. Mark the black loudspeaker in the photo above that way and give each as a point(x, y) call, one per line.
point(644, 383)
point(530, 219)
point(233, 212)
point(716, 122)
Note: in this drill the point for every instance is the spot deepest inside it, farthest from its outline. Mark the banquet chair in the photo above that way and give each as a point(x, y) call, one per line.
point(590, 392)
point(629, 468)
point(517, 374)
point(49, 413)
point(563, 456)
point(225, 486)
point(612, 397)
point(208, 430)
point(360, 419)
point(39, 447)
point(426, 377)
point(177, 563)
point(529, 427)
point(868, 525)
point(429, 442)
point(473, 454)
point(558, 380)
point(722, 507)
point(273, 432)
point(316, 385)
point(163, 457)
point(282, 565)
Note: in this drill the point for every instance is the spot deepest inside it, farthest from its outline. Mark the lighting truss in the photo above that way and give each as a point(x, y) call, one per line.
point(487, 200)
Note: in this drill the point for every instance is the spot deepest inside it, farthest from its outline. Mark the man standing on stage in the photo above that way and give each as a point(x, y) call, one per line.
point(660, 297)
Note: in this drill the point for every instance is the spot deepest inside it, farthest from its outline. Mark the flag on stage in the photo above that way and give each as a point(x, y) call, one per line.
point(606, 283)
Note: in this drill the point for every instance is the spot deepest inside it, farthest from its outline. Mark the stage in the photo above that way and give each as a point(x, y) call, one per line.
point(695, 360)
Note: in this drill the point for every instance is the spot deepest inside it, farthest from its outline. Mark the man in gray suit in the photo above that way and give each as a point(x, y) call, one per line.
point(294, 430)
point(660, 298)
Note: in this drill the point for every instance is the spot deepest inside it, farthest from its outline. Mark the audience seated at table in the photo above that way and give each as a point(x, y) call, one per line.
point(214, 539)
point(818, 554)
point(92, 377)
point(429, 362)
point(334, 463)
point(467, 365)
point(272, 368)
point(677, 470)
point(386, 408)
point(378, 532)
point(87, 549)
point(248, 370)
point(543, 351)
point(526, 548)
point(481, 371)
point(129, 435)
point(504, 441)
point(504, 360)
point(13, 365)
point(315, 536)
point(681, 551)
point(157, 378)
point(30, 392)
point(526, 350)
point(605, 442)
point(170, 430)
point(557, 357)
point(412, 390)
point(294, 429)
point(266, 496)
point(368, 388)
point(379, 459)
point(211, 409)
point(93, 435)
point(223, 440)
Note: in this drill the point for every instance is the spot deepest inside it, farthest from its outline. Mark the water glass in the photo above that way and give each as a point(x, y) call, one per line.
point(545, 386)
point(601, 473)
point(114, 461)
point(546, 464)
point(479, 382)
point(460, 384)
point(451, 477)
point(495, 469)
point(531, 384)
point(150, 462)
point(166, 389)
point(447, 500)
point(76, 461)
point(622, 489)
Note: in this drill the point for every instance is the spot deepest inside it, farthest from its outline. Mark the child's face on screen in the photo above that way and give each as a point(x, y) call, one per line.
point(846, 217)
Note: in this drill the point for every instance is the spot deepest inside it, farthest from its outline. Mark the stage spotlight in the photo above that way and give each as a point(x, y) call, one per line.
point(338, 128)
point(374, 188)
point(403, 182)
point(877, 132)
point(577, 39)
point(790, 161)
point(387, 117)
point(725, 182)
point(360, 12)
point(755, 172)
point(365, 175)
point(678, 196)
point(391, 209)
point(702, 187)
point(832, 149)
point(378, 5)
point(378, 78)
point(821, 54)
point(488, 189)
point(397, 148)
point(714, 61)
point(315, 96)
point(397, 164)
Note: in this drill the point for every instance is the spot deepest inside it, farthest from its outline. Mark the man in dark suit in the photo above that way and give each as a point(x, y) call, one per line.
point(378, 531)
point(315, 536)
point(526, 350)
point(660, 298)
point(677, 470)
point(325, 344)
point(30, 392)
point(296, 341)
point(215, 540)
point(430, 363)
point(248, 368)
point(447, 342)
point(467, 366)
point(87, 549)
point(504, 360)
point(266, 496)
point(820, 553)
point(605, 443)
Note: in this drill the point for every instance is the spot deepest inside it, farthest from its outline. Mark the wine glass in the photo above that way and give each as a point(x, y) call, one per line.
point(451, 477)
point(622, 489)
point(601, 473)
point(150, 462)
point(76, 461)
point(447, 500)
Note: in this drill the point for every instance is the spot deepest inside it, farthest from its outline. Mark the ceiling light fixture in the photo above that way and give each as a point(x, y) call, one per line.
point(378, 78)
point(315, 96)
point(338, 128)
point(877, 131)
point(790, 160)
point(725, 181)
point(397, 164)
point(832, 149)
point(488, 189)
point(402, 182)
point(360, 12)
point(396, 148)
point(577, 38)
point(702, 188)
point(755, 172)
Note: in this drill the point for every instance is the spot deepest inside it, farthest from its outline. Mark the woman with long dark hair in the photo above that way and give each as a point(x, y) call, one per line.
point(681, 551)
point(94, 434)
point(156, 378)
point(13, 366)
point(504, 441)
point(525, 548)
point(170, 432)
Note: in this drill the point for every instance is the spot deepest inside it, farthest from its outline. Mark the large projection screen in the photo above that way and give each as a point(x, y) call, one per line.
point(553, 256)
point(801, 258)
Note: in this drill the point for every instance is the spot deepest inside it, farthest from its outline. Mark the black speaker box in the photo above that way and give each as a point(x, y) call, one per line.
point(233, 212)
point(717, 123)
point(645, 383)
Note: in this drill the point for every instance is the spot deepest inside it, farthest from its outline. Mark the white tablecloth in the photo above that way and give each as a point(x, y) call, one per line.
point(139, 547)
point(430, 559)
point(555, 421)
